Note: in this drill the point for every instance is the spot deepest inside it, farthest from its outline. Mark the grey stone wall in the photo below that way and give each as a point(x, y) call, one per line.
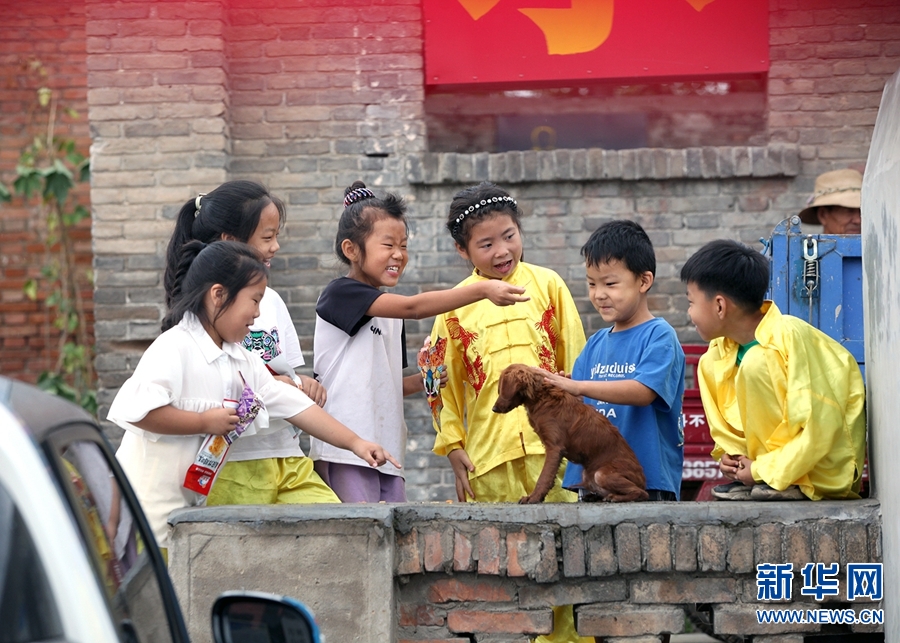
point(183, 96)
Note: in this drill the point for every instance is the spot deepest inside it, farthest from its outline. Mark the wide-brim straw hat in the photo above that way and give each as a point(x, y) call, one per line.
point(838, 187)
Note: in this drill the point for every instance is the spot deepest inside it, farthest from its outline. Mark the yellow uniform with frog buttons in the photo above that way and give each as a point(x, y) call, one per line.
point(795, 406)
point(482, 340)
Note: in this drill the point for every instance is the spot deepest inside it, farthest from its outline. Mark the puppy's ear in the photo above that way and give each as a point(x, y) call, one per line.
point(525, 383)
point(504, 382)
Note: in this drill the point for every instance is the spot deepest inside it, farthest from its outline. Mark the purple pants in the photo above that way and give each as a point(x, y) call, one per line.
point(361, 484)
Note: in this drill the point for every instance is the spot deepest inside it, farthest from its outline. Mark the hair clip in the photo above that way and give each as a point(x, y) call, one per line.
point(483, 203)
point(358, 194)
point(197, 203)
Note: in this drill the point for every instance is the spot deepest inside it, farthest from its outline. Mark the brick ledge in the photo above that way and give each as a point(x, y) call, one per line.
point(584, 515)
point(430, 168)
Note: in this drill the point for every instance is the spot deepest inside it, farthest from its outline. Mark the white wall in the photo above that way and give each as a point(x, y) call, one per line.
point(881, 292)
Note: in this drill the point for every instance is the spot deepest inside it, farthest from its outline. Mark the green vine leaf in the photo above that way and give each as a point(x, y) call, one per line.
point(28, 182)
point(4, 193)
point(30, 289)
point(57, 181)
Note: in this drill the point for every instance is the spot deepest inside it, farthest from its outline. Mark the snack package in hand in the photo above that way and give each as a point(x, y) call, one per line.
point(213, 451)
point(431, 365)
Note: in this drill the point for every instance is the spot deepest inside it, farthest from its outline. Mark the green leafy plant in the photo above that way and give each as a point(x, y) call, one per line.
point(48, 170)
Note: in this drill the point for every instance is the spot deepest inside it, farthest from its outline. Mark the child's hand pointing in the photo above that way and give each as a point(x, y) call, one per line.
point(375, 454)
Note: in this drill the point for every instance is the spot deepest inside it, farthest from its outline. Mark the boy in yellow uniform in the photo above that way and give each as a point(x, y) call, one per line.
point(785, 403)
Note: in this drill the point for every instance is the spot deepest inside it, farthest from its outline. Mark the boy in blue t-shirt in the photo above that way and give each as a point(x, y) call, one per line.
point(633, 372)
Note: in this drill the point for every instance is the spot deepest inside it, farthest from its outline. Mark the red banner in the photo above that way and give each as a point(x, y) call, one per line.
point(526, 41)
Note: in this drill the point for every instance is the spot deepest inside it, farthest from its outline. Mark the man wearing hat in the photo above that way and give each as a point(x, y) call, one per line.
point(835, 203)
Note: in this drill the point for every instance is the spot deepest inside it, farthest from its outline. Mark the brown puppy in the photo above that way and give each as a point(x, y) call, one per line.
point(570, 428)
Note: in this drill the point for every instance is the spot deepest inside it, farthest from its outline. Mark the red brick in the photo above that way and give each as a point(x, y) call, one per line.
point(489, 551)
point(854, 545)
point(602, 560)
point(513, 540)
point(468, 588)
point(657, 548)
point(471, 621)
point(547, 568)
point(438, 550)
point(462, 553)
point(419, 615)
point(712, 548)
point(573, 552)
point(410, 558)
point(592, 620)
point(685, 548)
point(628, 547)
point(796, 545)
point(685, 590)
point(826, 542)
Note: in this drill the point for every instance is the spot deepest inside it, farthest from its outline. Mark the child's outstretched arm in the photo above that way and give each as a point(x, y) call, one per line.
point(630, 392)
point(167, 420)
point(429, 304)
point(317, 423)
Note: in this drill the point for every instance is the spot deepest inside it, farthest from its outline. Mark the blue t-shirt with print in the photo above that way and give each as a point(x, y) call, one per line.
point(651, 354)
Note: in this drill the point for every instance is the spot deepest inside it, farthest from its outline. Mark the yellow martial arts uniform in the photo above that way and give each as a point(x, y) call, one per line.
point(482, 340)
point(795, 406)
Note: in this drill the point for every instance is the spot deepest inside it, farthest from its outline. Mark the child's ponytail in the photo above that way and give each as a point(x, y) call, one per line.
point(199, 266)
point(182, 234)
point(361, 209)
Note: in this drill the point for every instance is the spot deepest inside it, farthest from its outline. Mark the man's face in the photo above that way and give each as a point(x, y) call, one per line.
point(836, 219)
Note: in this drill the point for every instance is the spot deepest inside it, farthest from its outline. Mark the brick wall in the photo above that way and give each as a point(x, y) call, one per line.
point(51, 33)
point(494, 572)
point(309, 98)
point(158, 96)
point(630, 570)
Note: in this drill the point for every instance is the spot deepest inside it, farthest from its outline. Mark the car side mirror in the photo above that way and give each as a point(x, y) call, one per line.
point(254, 617)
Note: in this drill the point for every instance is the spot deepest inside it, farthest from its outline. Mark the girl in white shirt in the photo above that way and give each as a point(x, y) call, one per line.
point(261, 469)
point(175, 395)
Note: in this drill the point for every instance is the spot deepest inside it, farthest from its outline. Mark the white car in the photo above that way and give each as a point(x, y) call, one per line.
point(78, 562)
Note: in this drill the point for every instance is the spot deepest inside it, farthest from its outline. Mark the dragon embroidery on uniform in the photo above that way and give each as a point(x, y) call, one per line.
point(547, 354)
point(474, 368)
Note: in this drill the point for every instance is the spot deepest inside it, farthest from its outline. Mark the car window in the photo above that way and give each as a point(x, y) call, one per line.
point(27, 609)
point(118, 551)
